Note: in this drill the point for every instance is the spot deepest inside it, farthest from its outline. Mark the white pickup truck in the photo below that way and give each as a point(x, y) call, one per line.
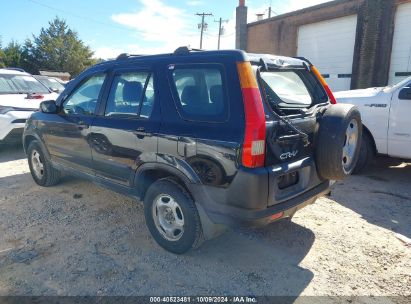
point(386, 117)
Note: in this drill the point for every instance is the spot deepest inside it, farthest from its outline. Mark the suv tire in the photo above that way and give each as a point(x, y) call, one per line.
point(366, 154)
point(338, 141)
point(41, 168)
point(172, 216)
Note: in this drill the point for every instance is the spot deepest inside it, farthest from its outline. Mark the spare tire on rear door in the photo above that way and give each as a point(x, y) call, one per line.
point(338, 141)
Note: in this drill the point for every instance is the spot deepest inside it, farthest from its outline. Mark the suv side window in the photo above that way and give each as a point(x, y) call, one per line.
point(84, 99)
point(199, 92)
point(131, 95)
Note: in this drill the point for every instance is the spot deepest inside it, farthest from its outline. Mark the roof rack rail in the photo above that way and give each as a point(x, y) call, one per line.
point(126, 55)
point(303, 59)
point(184, 50)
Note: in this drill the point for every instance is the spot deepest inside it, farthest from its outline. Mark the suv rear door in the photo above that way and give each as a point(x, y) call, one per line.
point(201, 122)
point(123, 134)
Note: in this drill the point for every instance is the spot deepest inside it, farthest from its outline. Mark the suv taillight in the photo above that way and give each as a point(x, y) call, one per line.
point(324, 84)
point(253, 152)
point(34, 96)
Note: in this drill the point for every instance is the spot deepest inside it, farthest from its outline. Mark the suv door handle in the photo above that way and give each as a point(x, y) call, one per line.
point(141, 133)
point(82, 125)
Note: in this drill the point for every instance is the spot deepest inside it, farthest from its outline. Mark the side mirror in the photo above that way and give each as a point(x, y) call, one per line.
point(405, 93)
point(48, 106)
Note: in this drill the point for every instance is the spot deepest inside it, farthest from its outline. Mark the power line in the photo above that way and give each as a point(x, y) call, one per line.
point(83, 17)
point(216, 35)
point(228, 35)
point(97, 21)
point(202, 26)
point(87, 19)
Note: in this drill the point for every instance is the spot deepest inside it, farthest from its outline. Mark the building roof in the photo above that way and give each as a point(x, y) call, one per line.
point(301, 11)
point(13, 72)
point(54, 74)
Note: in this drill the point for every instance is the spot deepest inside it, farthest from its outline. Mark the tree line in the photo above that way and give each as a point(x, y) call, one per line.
point(56, 48)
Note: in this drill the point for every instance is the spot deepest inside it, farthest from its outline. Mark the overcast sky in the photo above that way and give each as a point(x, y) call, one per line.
point(135, 26)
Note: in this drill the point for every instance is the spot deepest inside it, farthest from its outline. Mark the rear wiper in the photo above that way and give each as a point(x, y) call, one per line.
point(287, 122)
point(284, 119)
point(300, 134)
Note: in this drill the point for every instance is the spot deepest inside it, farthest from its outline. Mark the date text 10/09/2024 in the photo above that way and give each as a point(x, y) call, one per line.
point(204, 299)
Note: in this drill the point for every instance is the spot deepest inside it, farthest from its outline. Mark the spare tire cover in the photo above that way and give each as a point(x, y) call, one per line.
point(338, 141)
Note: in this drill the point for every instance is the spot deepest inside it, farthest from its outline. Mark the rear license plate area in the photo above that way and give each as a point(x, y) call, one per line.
point(287, 180)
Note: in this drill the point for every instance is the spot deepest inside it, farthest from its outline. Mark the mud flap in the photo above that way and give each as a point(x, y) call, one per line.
point(210, 229)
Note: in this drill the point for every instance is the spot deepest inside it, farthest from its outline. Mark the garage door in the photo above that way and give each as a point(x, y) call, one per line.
point(401, 47)
point(330, 46)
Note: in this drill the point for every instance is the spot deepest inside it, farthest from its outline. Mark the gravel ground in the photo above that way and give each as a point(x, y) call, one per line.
point(79, 239)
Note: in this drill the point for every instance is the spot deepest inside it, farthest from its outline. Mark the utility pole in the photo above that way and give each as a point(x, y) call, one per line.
point(269, 9)
point(202, 26)
point(220, 30)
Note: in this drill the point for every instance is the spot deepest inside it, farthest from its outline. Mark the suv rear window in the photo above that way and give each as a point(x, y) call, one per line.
point(131, 95)
point(292, 88)
point(52, 83)
point(199, 92)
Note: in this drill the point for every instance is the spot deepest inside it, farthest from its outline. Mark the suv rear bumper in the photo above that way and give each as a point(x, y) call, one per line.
point(235, 216)
point(254, 198)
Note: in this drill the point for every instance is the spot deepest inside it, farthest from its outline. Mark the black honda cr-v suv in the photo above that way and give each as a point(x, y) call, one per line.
point(207, 139)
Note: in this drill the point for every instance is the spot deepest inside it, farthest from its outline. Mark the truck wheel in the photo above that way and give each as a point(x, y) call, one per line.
point(40, 166)
point(172, 216)
point(366, 154)
point(338, 141)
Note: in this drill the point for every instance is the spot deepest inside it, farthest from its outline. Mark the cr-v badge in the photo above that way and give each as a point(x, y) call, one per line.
point(286, 155)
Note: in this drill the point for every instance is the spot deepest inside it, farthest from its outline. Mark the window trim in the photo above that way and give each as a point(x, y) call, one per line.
point(176, 97)
point(84, 80)
point(128, 70)
point(311, 83)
